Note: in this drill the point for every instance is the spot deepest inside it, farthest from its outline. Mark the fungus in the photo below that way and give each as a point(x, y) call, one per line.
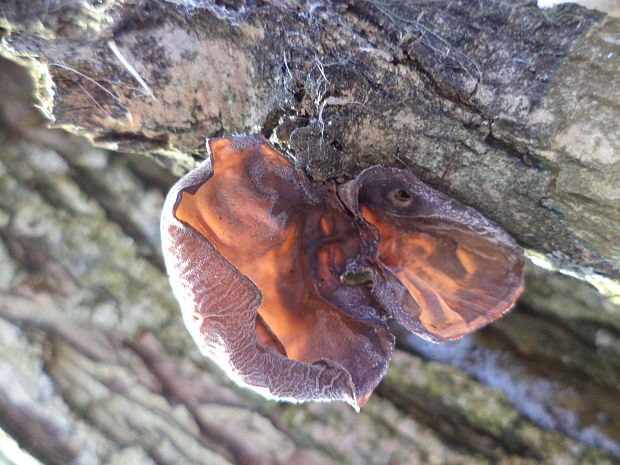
point(288, 285)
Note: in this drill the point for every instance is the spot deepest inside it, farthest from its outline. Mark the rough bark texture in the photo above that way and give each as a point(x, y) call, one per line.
point(508, 108)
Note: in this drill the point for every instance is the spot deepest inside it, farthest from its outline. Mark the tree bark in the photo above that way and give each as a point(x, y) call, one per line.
point(510, 109)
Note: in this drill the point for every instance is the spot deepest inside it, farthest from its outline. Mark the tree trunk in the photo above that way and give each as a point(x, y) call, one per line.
point(508, 108)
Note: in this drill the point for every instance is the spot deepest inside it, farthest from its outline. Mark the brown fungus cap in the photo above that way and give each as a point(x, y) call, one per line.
point(288, 284)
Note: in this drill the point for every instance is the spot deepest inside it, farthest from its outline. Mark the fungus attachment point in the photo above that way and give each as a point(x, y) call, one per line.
point(288, 285)
point(357, 277)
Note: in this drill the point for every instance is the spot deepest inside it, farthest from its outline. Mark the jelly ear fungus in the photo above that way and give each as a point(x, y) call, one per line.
point(287, 284)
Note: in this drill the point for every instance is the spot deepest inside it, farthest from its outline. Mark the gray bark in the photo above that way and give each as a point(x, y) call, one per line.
point(508, 108)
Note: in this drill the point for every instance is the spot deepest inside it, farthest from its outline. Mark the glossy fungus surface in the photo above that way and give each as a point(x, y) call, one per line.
point(288, 284)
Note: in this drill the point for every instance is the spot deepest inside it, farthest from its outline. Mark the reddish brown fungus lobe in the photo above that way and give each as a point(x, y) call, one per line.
point(288, 284)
